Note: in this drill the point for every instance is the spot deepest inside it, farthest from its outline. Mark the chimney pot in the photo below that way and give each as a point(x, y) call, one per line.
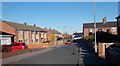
point(45, 27)
point(34, 25)
point(104, 20)
point(25, 23)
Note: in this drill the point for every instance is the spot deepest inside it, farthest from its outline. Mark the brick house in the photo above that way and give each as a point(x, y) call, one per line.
point(57, 35)
point(23, 32)
point(110, 27)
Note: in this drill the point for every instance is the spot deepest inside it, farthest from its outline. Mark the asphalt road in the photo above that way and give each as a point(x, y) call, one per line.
point(59, 55)
point(67, 54)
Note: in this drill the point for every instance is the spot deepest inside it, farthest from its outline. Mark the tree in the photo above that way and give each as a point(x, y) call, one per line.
point(53, 38)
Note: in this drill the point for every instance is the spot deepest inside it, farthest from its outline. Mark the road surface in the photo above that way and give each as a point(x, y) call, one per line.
point(67, 54)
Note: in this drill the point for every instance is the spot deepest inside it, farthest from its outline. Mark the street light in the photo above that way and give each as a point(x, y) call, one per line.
point(95, 24)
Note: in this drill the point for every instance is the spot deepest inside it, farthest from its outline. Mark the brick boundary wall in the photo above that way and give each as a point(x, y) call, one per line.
point(101, 49)
point(42, 45)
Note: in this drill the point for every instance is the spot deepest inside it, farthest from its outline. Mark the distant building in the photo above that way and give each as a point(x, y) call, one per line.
point(57, 33)
point(53, 32)
point(110, 27)
point(77, 36)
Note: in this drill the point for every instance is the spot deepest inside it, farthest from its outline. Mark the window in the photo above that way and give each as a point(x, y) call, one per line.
point(37, 40)
point(23, 44)
point(36, 32)
point(20, 34)
point(15, 44)
point(99, 29)
point(26, 35)
point(32, 41)
point(90, 30)
point(113, 29)
point(108, 31)
point(32, 32)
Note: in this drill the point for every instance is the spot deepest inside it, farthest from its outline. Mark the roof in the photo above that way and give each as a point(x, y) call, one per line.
point(23, 26)
point(55, 31)
point(100, 24)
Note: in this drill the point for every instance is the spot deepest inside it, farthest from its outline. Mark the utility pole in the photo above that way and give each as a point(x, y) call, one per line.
point(64, 34)
point(95, 24)
point(64, 29)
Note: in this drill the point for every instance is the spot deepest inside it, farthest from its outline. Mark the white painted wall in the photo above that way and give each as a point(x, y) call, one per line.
point(5, 39)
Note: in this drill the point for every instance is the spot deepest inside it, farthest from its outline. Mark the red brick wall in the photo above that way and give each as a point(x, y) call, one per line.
point(49, 35)
point(86, 33)
point(101, 53)
point(86, 30)
point(16, 38)
point(47, 45)
point(100, 49)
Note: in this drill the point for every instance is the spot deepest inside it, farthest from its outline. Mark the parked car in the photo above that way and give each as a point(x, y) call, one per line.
point(68, 42)
point(19, 46)
point(74, 41)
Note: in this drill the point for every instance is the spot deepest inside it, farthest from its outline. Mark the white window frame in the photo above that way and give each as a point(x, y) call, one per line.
point(113, 29)
point(90, 30)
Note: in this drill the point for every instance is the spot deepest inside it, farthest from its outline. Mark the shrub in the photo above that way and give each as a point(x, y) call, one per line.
point(86, 38)
point(90, 38)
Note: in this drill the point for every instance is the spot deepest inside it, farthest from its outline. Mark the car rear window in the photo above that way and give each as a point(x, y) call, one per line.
point(15, 44)
point(68, 40)
point(23, 44)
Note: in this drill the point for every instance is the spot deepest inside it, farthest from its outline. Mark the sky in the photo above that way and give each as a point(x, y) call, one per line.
point(57, 15)
point(60, 0)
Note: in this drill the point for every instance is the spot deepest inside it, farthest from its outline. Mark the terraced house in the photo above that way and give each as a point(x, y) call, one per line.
point(55, 33)
point(16, 32)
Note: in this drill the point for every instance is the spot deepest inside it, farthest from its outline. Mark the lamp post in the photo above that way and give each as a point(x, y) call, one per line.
point(95, 24)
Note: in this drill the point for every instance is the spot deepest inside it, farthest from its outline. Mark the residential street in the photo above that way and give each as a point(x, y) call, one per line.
point(58, 33)
point(66, 54)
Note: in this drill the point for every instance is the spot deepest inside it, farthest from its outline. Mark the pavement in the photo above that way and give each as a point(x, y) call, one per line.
point(89, 57)
point(65, 54)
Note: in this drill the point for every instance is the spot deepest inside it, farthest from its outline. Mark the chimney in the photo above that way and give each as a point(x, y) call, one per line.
point(25, 23)
point(34, 25)
point(104, 20)
point(45, 27)
point(50, 28)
